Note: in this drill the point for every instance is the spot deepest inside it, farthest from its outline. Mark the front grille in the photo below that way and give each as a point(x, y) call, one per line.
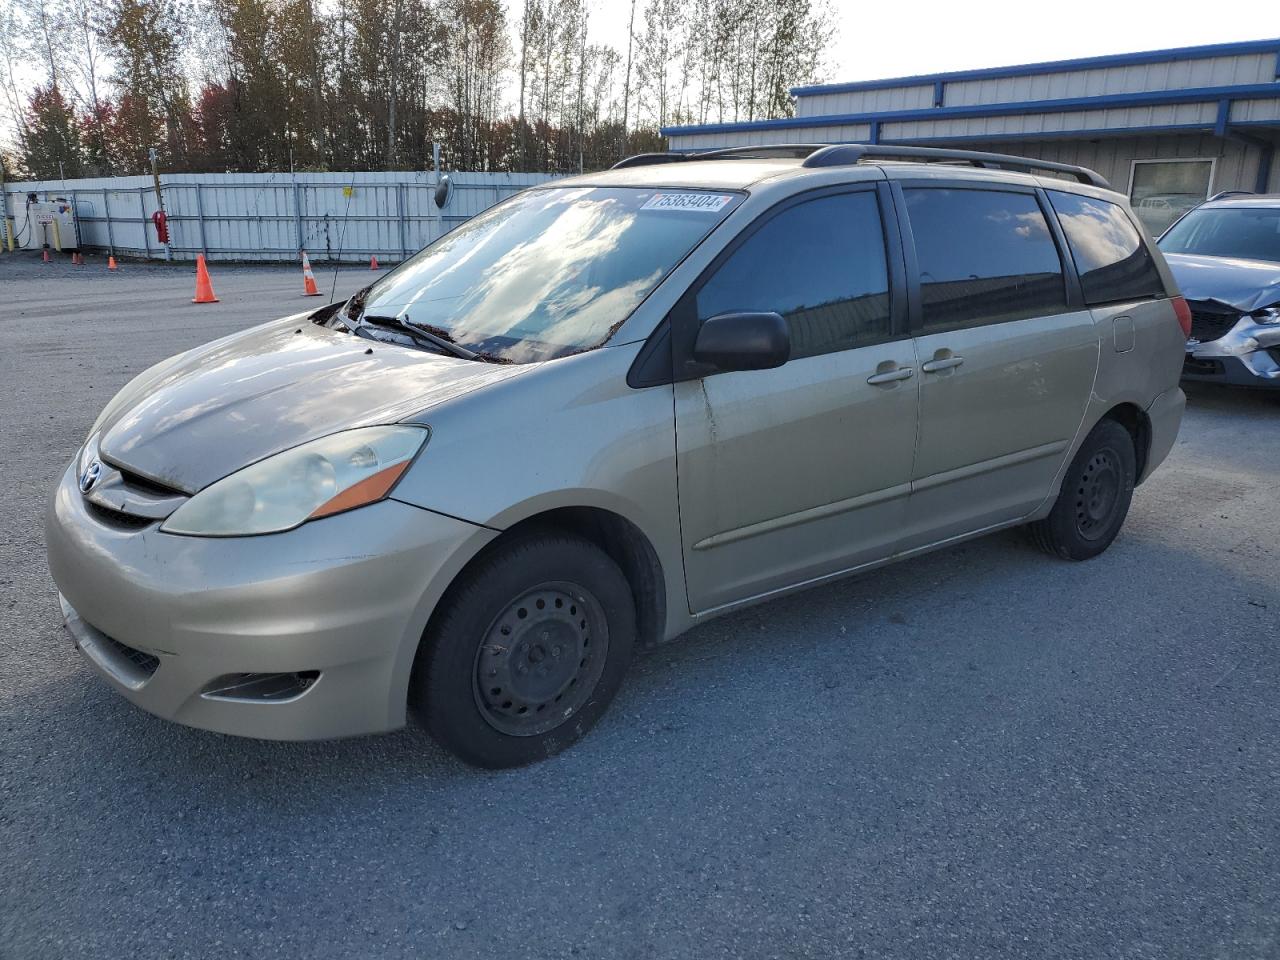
point(145, 662)
point(1210, 321)
point(146, 484)
point(118, 519)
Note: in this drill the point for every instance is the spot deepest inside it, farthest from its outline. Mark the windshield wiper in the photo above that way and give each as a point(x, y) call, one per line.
point(423, 336)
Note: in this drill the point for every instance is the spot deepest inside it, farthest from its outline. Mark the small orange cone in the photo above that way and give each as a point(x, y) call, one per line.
point(111, 263)
point(78, 259)
point(204, 287)
point(309, 288)
point(373, 263)
point(45, 256)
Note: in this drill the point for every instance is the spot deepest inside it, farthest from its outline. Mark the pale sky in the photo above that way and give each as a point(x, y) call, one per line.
point(879, 39)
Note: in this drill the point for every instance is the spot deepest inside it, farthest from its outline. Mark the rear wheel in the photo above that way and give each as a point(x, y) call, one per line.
point(526, 652)
point(1095, 496)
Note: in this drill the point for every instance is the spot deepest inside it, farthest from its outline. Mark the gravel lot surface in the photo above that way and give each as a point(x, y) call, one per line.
point(980, 753)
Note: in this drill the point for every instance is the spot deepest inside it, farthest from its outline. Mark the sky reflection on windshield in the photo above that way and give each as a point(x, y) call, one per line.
point(548, 273)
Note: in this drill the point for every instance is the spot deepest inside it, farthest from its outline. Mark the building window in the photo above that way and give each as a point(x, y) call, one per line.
point(985, 256)
point(1163, 190)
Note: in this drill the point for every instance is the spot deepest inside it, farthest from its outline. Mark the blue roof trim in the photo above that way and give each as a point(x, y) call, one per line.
point(1095, 133)
point(1015, 137)
point(1253, 91)
point(1053, 66)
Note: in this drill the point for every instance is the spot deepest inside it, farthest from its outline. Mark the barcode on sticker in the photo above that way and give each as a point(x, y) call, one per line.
point(703, 202)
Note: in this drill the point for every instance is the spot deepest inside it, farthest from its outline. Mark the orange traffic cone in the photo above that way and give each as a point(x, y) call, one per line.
point(204, 287)
point(77, 259)
point(45, 256)
point(309, 288)
point(373, 263)
point(111, 263)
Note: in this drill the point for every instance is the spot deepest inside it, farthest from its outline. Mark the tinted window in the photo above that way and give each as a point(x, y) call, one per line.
point(821, 264)
point(1247, 233)
point(984, 257)
point(1113, 262)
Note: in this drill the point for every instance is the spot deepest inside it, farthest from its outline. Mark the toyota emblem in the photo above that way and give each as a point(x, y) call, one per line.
point(90, 476)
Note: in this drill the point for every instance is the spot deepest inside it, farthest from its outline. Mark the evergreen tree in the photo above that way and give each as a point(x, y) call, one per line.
point(51, 143)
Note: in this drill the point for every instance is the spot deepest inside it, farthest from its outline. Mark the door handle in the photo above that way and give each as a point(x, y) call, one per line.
point(892, 376)
point(946, 363)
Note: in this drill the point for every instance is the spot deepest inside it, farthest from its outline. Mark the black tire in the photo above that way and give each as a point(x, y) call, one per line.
point(547, 622)
point(1096, 492)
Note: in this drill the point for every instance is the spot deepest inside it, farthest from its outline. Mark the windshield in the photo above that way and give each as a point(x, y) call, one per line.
point(549, 272)
point(1249, 233)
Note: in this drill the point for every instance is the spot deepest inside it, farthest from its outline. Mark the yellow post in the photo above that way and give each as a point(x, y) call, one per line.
point(57, 235)
point(8, 231)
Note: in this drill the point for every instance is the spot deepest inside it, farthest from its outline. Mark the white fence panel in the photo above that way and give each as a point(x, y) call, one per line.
point(346, 216)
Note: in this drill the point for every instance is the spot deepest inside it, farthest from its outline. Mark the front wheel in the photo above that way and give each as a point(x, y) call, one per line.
point(526, 652)
point(1095, 496)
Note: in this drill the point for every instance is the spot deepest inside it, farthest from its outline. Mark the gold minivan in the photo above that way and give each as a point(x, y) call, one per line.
point(606, 410)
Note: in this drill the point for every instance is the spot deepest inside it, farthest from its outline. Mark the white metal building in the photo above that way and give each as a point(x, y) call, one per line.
point(1169, 127)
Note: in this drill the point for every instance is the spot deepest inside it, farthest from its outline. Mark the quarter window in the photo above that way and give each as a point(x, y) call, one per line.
point(821, 264)
point(1113, 262)
point(984, 256)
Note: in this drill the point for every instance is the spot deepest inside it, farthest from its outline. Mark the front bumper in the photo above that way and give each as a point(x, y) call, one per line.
point(338, 602)
point(1248, 355)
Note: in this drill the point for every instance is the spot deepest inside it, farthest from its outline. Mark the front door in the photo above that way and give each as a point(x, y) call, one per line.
point(791, 474)
point(1007, 359)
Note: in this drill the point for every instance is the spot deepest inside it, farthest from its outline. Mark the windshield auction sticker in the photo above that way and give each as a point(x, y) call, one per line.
point(699, 202)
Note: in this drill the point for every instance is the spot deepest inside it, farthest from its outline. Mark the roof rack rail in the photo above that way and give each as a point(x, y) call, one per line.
point(797, 151)
point(839, 154)
point(1230, 193)
point(846, 153)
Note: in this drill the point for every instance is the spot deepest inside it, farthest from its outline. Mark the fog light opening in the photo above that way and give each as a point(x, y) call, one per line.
point(261, 687)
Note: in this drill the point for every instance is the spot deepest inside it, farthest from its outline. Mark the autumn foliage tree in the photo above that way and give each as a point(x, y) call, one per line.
point(264, 85)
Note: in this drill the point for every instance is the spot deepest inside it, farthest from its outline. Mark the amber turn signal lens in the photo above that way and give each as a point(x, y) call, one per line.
point(367, 490)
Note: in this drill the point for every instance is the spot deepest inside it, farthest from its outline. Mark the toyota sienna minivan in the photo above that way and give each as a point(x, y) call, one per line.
point(606, 410)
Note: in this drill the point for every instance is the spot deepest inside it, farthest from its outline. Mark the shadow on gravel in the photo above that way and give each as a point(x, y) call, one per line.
point(990, 618)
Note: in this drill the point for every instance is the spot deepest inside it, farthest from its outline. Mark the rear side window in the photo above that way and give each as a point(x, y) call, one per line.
point(984, 256)
point(1113, 262)
point(821, 264)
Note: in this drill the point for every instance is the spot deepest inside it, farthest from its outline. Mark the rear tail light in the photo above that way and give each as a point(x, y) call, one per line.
point(1183, 313)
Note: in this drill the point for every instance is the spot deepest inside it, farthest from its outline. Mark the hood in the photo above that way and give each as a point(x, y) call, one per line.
point(1246, 285)
point(217, 408)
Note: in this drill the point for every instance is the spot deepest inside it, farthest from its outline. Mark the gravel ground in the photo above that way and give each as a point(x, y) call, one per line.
point(979, 753)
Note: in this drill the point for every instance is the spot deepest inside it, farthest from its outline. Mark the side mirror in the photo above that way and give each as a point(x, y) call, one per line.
point(743, 341)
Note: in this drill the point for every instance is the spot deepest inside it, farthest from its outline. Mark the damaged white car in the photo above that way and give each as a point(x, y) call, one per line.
point(1225, 255)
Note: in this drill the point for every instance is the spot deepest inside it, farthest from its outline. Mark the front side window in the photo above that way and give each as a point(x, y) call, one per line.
point(821, 265)
point(1113, 261)
point(1246, 233)
point(548, 273)
point(984, 256)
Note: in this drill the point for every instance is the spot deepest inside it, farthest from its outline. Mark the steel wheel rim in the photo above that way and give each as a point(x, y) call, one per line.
point(1098, 494)
point(540, 659)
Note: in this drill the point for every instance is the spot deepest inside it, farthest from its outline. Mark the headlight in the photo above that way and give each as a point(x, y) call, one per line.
point(316, 479)
point(1269, 315)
